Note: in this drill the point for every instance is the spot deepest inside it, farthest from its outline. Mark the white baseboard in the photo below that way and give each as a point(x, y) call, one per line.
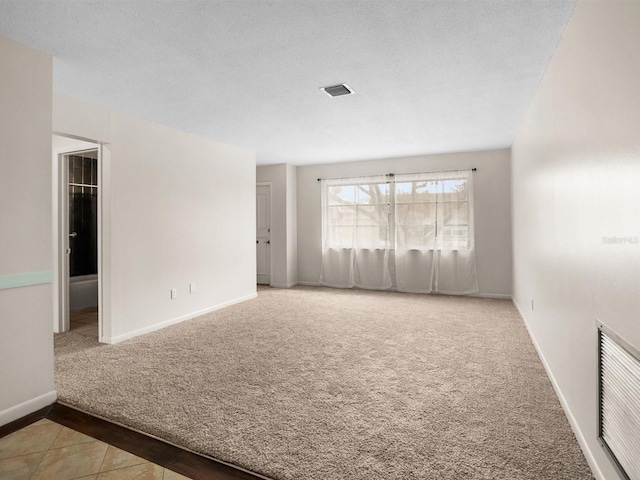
point(501, 296)
point(25, 408)
point(595, 469)
point(283, 285)
point(481, 295)
point(173, 321)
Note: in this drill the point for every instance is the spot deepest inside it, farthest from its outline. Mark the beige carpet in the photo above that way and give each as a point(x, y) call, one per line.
point(313, 383)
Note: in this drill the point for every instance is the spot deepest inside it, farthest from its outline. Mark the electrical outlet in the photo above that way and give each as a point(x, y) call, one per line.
point(174, 293)
point(532, 304)
point(192, 287)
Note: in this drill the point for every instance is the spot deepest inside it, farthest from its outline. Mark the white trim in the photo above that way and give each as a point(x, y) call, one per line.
point(501, 296)
point(60, 227)
point(283, 285)
point(270, 185)
point(595, 469)
point(25, 408)
point(104, 243)
point(60, 288)
point(99, 245)
point(173, 321)
point(480, 295)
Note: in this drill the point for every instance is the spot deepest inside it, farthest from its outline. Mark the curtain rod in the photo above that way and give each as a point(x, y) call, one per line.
point(393, 174)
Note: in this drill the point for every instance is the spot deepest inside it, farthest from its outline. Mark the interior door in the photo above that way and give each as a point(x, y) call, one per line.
point(263, 234)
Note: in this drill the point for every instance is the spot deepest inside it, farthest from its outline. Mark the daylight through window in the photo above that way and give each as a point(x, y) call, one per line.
point(409, 211)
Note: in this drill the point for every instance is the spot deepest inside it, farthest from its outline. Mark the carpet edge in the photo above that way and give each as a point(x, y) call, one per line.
point(586, 451)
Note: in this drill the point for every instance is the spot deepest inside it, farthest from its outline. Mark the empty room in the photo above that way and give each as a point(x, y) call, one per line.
point(320, 239)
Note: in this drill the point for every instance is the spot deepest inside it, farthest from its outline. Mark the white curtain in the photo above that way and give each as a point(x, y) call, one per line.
point(420, 223)
point(355, 233)
point(434, 234)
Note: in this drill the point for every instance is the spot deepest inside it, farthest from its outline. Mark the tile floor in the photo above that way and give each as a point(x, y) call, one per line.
point(47, 450)
point(85, 321)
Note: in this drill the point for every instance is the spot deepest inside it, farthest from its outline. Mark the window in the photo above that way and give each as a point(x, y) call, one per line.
point(413, 232)
point(410, 211)
point(432, 213)
point(358, 214)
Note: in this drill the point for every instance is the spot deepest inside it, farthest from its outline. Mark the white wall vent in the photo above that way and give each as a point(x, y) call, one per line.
point(338, 90)
point(619, 401)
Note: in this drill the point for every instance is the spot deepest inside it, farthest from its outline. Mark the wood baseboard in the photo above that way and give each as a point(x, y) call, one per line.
point(157, 451)
point(24, 421)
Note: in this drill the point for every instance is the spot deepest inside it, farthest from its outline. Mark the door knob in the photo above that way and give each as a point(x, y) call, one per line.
point(73, 234)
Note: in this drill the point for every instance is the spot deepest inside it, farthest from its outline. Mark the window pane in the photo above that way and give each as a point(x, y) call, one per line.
point(410, 192)
point(454, 190)
point(375, 194)
point(77, 169)
point(342, 195)
point(414, 236)
point(94, 171)
point(425, 211)
point(455, 213)
point(86, 170)
point(416, 214)
point(372, 215)
point(340, 236)
point(372, 236)
point(454, 237)
point(339, 215)
point(455, 225)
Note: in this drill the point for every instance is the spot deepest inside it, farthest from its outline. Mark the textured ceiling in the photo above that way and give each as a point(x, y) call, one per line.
point(429, 76)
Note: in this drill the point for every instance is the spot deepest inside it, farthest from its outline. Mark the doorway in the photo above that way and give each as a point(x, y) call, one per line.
point(77, 165)
point(263, 233)
point(82, 250)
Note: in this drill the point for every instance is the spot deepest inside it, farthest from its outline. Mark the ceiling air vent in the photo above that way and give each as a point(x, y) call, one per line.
point(619, 402)
point(338, 90)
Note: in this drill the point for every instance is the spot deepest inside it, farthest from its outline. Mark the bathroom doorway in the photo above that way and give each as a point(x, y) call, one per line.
point(83, 240)
point(78, 245)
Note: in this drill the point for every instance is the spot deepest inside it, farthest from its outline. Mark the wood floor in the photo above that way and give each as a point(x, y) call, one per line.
point(172, 462)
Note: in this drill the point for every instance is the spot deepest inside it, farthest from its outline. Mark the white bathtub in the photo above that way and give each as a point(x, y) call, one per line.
point(83, 292)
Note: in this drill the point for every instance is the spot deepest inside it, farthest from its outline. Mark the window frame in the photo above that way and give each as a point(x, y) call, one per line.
point(355, 206)
point(392, 226)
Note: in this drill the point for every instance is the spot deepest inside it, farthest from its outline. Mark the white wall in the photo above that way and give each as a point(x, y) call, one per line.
point(180, 209)
point(292, 225)
point(26, 345)
point(283, 222)
point(576, 180)
point(492, 209)
point(75, 117)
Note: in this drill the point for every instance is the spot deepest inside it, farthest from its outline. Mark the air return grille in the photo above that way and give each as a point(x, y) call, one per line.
point(338, 90)
point(619, 401)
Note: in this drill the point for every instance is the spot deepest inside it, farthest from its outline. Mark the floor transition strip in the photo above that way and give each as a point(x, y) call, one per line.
point(185, 462)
